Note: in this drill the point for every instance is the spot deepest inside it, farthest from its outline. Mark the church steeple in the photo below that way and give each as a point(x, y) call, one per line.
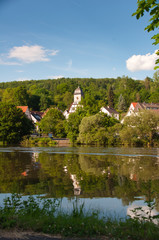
point(78, 94)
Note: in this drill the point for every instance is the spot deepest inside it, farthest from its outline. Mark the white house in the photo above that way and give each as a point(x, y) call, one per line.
point(130, 110)
point(26, 111)
point(135, 107)
point(36, 116)
point(78, 94)
point(110, 112)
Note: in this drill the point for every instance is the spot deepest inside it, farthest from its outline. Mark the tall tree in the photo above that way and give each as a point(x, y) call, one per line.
point(151, 6)
point(111, 97)
point(53, 122)
point(73, 122)
point(147, 83)
point(122, 103)
point(13, 123)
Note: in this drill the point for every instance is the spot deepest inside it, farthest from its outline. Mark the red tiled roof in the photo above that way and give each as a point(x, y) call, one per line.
point(134, 104)
point(24, 108)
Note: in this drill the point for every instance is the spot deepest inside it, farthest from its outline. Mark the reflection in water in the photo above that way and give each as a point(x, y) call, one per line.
point(143, 213)
point(121, 173)
point(76, 185)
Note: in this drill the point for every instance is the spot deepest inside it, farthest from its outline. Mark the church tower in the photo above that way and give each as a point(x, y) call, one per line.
point(78, 94)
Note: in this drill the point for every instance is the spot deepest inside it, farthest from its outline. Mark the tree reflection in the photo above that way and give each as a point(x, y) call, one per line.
point(66, 175)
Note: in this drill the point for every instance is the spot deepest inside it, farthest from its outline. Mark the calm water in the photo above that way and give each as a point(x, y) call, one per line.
point(112, 180)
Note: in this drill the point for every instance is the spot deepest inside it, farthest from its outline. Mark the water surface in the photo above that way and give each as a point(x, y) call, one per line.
point(109, 179)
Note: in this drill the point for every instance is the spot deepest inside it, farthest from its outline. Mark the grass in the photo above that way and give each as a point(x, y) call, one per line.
point(44, 215)
point(38, 141)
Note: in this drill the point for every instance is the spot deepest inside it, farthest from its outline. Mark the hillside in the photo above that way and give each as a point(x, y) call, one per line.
point(41, 94)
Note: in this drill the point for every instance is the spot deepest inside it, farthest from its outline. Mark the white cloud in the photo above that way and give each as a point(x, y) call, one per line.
point(54, 52)
point(141, 62)
point(56, 77)
point(27, 54)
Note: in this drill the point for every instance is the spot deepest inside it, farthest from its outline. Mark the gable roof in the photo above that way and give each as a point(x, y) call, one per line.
point(24, 108)
point(111, 110)
point(134, 104)
point(147, 106)
point(37, 115)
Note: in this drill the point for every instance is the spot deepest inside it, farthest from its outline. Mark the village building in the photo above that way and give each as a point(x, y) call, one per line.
point(146, 106)
point(26, 111)
point(34, 116)
point(110, 112)
point(78, 94)
point(135, 107)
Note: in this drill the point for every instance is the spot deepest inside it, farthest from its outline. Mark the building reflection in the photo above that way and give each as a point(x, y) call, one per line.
point(76, 185)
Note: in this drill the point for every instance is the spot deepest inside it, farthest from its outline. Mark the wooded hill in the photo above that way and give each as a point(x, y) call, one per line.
point(41, 94)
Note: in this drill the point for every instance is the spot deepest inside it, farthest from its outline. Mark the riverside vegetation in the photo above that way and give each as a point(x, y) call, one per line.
point(37, 141)
point(44, 215)
point(87, 125)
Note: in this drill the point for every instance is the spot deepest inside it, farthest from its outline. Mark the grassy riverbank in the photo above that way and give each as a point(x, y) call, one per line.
point(38, 141)
point(44, 215)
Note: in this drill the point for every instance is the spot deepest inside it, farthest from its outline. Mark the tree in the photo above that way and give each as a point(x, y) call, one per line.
point(142, 127)
point(73, 122)
point(147, 83)
point(93, 129)
point(156, 77)
point(21, 96)
point(13, 123)
point(111, 97)
point(44, 102)
point(17, 96)
point(122, 103)
point(151, 6)
point(53, 122)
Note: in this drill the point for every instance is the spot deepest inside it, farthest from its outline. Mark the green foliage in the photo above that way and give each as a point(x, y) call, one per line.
point(13, 123)
point(121, 103)
point(156, 76)
point(151, 6)
point(36, 141)
point(92, 129)
point(43, 215)
point(17, 96)
point(140, 128)
point(111, 97)
point(73, 122)
point(53, 122)
point(45, 93)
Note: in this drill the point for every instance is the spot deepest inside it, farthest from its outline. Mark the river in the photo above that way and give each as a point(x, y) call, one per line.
point(110, 180)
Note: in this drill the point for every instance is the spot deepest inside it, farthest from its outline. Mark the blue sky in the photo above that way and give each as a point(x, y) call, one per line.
point(41, 39)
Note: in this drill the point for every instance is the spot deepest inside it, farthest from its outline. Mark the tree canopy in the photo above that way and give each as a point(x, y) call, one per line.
point(53, 122)
point(42, 94)
point(13, 123)
point(73, 122)
point(92, 129)
point(140, 128)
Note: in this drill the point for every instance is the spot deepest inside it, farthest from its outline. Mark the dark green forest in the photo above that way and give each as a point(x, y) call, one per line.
point(119, 92)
